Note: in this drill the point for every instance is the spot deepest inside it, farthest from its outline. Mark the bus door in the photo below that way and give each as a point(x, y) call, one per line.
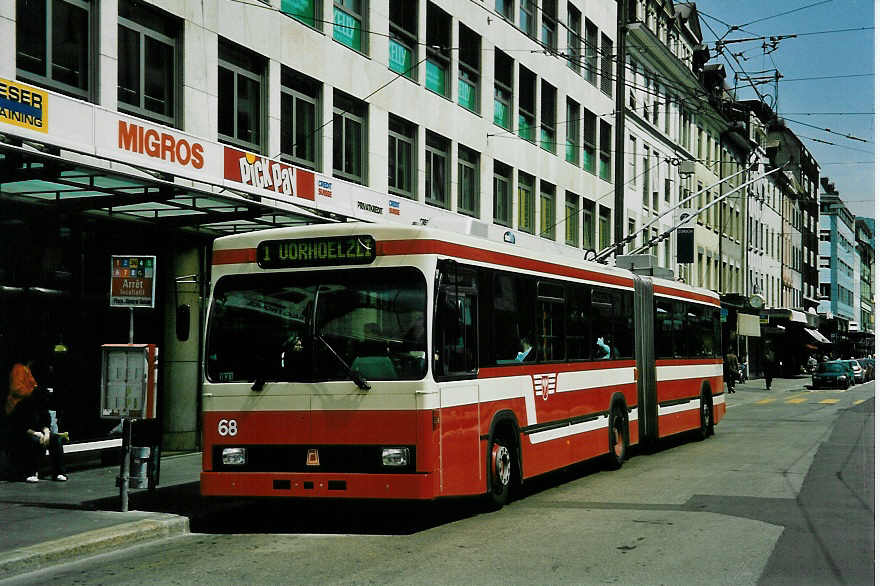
point(455, 368)
point(645, 361)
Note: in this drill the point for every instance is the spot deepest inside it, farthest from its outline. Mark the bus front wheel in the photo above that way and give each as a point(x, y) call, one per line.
point(502, 470)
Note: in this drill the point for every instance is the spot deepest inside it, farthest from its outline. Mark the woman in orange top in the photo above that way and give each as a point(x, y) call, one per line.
point(21, 385)
point(29, 418)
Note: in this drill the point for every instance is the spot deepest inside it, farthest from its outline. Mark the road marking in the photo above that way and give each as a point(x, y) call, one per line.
point(858, 401)
point(829, 401)
point(764, 401)
point(798, 400)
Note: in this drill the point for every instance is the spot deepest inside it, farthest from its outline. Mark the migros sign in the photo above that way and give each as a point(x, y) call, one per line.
point(135, 138)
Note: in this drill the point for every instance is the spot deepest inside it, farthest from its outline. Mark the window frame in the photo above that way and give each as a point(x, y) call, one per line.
point(144, 31)
point(503, 95)
point(295, 95)
point(548, 117)
point(356, 117)
point(470, 160)
point(525, 199)
point(437, 150)
point(46, 79)
point(238, 72)
point(408, 40)
point(571, 218)
point(590, 142)
point(440, 58)
point(573, 38)
point(572, 131)
point(469, 73)
point(605, 141)
point(405, 133)
point(360, 17)
point(502, 177)
point(526, 120)
point(547, 198)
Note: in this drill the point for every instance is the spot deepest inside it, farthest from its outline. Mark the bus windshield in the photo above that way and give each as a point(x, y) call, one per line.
point(308, 326)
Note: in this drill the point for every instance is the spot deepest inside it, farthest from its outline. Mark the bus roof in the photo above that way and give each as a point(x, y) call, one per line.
point(394, 239)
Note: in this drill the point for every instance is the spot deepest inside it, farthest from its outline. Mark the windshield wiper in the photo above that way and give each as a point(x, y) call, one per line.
point(354, 375)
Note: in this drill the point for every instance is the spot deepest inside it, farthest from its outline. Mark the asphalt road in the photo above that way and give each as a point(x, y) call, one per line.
point(782, 494)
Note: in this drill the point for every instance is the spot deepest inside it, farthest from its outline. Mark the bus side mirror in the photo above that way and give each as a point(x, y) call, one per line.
point(182, 322)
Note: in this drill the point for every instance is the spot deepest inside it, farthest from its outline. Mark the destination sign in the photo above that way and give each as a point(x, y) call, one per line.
point(315, 252)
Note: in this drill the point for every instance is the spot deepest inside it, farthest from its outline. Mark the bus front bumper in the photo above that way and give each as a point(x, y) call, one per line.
point(305, 485)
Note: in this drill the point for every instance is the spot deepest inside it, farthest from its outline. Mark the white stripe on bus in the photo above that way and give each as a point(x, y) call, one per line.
point(687, 371)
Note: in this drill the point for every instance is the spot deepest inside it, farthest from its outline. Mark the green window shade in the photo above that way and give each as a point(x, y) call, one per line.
point(467, 95)
point(605, 168)
point(400, 58)
point(590, 160)
point(435, 77)
point(502, 114)
point(302, 10)
point(548, 140)
point(527, 128)
point(347, 30)
point(570, 152)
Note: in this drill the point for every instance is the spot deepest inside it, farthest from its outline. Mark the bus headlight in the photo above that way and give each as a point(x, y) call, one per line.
point(395, 456)
point(234, 456)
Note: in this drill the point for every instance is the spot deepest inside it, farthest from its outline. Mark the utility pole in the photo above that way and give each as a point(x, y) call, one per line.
point(619, 121)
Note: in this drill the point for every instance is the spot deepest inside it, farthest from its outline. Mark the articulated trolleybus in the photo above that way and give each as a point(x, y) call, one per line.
point(397, 362)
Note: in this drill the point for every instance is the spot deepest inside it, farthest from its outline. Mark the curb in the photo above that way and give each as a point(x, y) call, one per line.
point(37, 556)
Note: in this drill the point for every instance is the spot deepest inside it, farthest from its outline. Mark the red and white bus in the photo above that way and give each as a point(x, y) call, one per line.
point(373, 361)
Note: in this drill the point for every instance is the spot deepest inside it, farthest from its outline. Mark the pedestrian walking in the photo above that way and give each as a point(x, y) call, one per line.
point(768, 364)
point(731, 371)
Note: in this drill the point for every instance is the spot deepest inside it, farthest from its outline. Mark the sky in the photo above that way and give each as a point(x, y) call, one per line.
point(843, 102)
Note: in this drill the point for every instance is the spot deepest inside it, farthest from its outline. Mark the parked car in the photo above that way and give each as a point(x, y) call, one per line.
point(834, 374)
point(868, 367)
point(858, 371)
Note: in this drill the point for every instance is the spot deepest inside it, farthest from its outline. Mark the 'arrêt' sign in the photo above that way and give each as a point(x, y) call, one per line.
point(132, 281)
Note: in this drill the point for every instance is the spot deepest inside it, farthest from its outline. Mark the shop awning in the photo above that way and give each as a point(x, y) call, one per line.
point(76, 184)
point(748, 325)
point(817, 336)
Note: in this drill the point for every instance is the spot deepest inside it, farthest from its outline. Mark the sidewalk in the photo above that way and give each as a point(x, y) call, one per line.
point(53, 522)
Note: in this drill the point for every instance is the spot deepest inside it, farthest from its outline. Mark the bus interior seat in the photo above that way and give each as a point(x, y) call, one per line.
point(375, 367)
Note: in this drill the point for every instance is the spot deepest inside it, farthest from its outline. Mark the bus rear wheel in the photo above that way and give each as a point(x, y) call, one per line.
point(502, 470)
point(618, 443)
point(707, 427)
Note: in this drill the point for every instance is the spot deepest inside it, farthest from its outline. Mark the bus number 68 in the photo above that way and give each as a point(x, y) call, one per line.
point(227, 427)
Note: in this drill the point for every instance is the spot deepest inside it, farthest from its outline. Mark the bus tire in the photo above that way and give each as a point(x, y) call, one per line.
point(707, 425)
point(502, 470)
point(618, 438)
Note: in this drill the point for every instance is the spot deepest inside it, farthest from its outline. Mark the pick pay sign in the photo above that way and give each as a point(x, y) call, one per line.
point(132, 281)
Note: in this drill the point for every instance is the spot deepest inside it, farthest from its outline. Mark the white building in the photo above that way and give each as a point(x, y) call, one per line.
point(197, 118)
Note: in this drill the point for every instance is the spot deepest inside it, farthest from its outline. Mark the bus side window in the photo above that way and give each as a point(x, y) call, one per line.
point(601, 320)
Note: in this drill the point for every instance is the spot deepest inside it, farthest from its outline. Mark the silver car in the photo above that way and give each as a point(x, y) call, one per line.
point(858, 371)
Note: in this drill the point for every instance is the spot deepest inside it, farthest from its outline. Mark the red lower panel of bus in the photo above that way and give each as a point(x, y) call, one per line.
point(369, 486)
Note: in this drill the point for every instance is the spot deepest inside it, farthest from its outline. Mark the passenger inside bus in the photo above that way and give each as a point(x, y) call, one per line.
point(525, 353)
point(601, 351)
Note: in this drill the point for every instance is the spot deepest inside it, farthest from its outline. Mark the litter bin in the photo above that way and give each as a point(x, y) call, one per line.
point(144, 467)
